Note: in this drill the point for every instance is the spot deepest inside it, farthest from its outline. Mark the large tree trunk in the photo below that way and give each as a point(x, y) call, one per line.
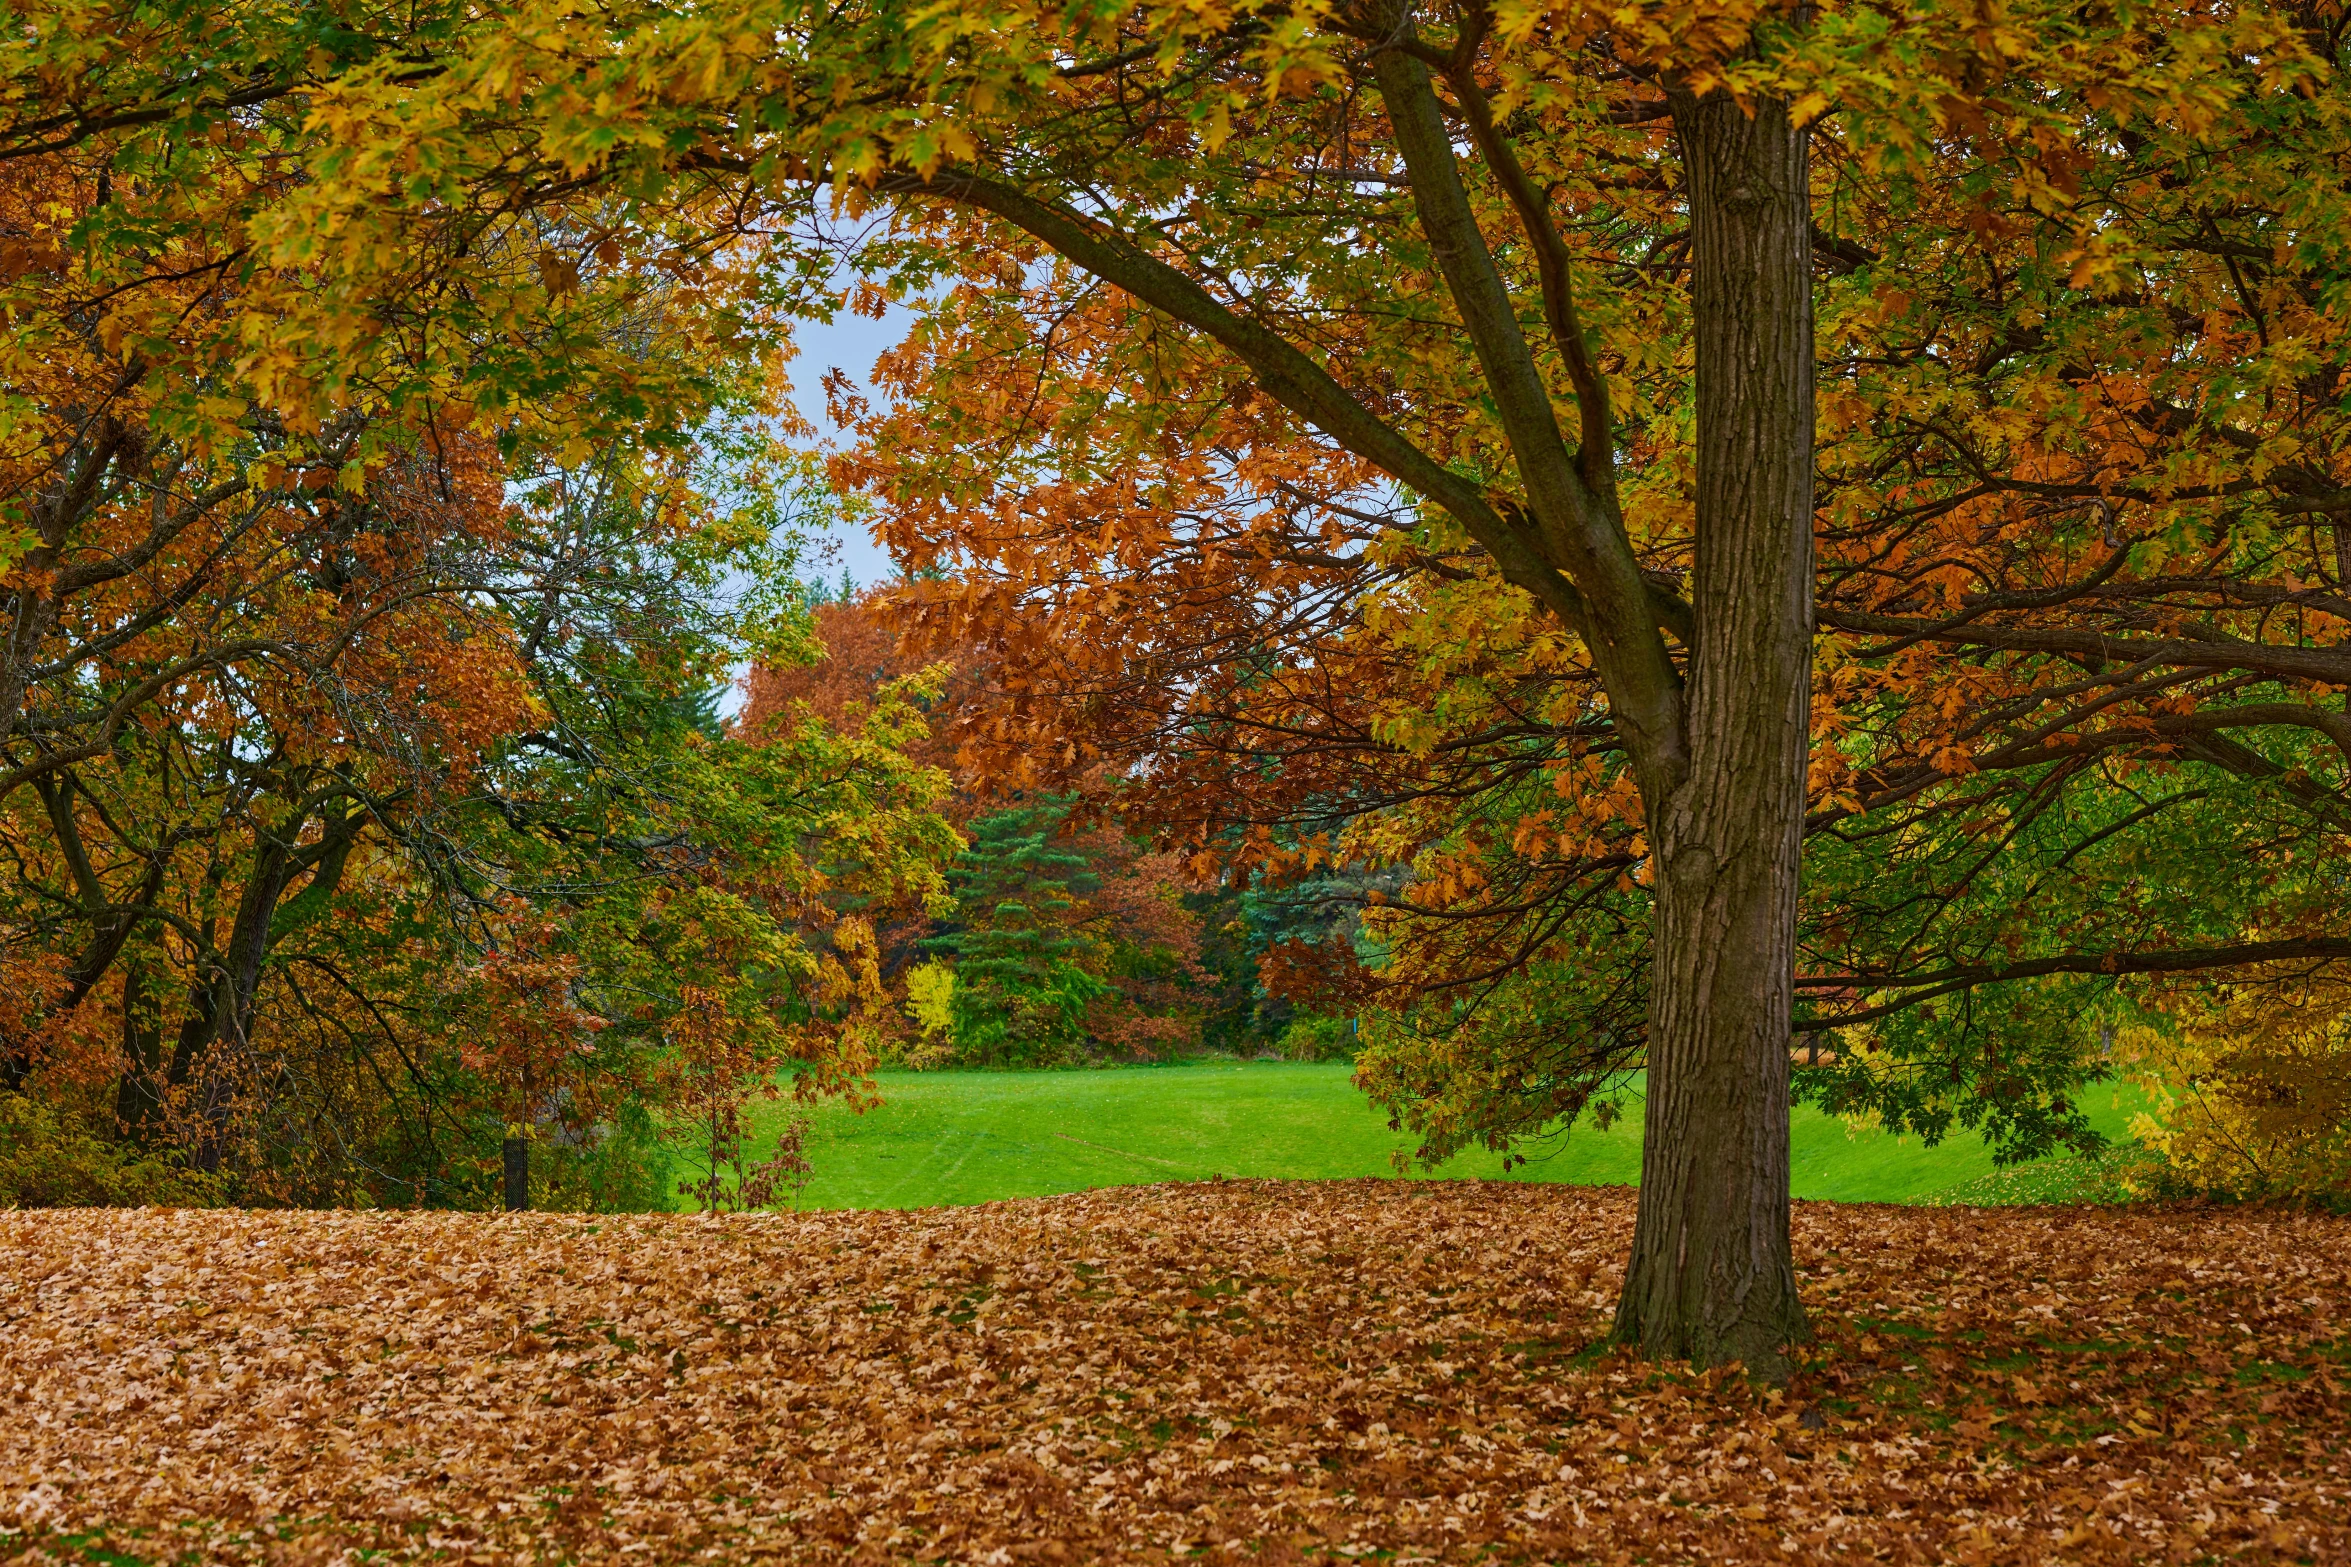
point(1711, 1279)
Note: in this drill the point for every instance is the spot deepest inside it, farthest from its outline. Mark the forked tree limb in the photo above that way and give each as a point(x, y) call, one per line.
point(1581, 533)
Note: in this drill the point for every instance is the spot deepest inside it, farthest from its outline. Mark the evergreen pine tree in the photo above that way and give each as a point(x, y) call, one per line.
point(1024, 974)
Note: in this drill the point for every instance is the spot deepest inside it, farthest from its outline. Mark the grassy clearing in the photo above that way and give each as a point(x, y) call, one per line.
point(970, 1137)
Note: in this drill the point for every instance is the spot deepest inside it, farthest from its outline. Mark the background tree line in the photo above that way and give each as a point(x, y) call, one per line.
point(1070, 940)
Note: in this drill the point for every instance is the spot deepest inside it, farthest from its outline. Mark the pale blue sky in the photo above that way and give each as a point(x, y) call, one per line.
point(850, 344)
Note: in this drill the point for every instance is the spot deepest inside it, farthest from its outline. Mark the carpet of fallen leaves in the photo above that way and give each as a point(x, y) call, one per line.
point(1249, 1371)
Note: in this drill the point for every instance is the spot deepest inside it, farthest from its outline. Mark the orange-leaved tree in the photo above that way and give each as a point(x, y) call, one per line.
point(1322, 674)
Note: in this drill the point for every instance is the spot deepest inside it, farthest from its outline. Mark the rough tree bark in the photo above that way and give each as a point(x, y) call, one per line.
point(1711, 1278)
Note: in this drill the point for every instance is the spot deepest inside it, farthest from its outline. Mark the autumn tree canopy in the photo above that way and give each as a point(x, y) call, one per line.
point(360, 804)
point(2078, 712)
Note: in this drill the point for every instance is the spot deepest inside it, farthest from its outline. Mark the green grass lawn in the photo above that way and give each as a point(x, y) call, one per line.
point(966, 1137)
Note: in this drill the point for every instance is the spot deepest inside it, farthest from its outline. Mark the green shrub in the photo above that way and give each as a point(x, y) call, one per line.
point(51, 1157)
point(624, 1167)
point(1318, 1039)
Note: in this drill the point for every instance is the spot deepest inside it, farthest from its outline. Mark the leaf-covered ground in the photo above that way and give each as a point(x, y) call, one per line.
point(1254, 1371)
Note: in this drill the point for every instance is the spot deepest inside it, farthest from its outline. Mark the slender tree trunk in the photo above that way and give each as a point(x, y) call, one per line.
point(188, 1080)
point(518, 1175)
point(110, 932)
point(1711, 1279)
point(518, 1147)
point(138, 1096)
point(220, 1008)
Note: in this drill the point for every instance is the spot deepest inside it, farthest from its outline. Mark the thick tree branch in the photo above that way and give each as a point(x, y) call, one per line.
point(1595, 455)
point(1948, 981)
point(1579, 528)
point(2330, 665)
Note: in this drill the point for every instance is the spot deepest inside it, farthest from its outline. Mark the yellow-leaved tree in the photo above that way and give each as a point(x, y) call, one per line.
point(2252, 1084)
